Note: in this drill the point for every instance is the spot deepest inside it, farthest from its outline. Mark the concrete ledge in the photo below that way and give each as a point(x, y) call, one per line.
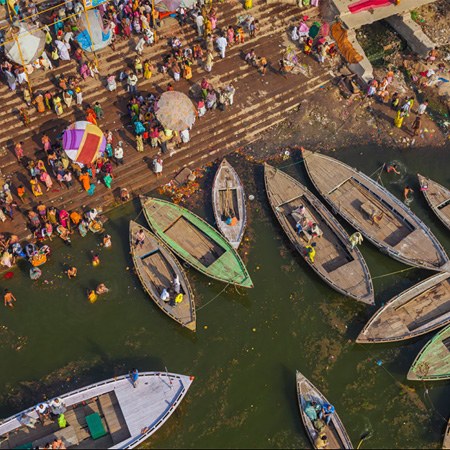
point(417, 40)
point(364, 68)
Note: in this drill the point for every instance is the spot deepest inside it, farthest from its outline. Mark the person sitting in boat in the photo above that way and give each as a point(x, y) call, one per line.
point(101, 289)
point(178, 299)
point(231, 221)
point(327, 412)
point(28, 421)
point(310, 252)
point(140, 238)
point(165, 297)
point(315, 231)
point(57, 407)
point(299, 227)
point(176, 284)
point(376, 218)
point(301, 211)
point(43, 411)
point(321, 441)
point(312, 410)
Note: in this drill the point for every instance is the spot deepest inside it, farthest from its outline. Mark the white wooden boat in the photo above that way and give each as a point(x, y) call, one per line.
point(437, 197)
point(342, 267)
point(228, 200)
point(157, 267)
point(446, 443)
point(335, 432)
point(381, 217)
point(113, 411)
point(420, 309)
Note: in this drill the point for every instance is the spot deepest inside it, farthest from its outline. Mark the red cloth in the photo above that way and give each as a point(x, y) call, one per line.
point(89, 149)
point(364, 5)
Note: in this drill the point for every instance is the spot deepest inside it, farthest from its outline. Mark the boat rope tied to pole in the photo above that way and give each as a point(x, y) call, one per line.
point(393, 273)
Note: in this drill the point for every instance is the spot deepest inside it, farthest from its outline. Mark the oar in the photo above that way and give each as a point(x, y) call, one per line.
point(366, 435)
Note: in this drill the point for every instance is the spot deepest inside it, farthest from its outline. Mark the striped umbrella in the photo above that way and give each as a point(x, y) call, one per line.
point(175, 111)
point(83, 141)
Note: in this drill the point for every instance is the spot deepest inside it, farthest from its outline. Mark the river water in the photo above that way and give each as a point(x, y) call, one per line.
point(248, 344)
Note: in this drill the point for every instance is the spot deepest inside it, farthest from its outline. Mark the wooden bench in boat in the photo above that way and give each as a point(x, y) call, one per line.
point(114, 417)
point(371, 210)
point(67, 435)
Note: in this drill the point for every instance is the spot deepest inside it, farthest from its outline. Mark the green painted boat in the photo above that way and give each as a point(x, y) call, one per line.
point(195, 241)
point(433, 361)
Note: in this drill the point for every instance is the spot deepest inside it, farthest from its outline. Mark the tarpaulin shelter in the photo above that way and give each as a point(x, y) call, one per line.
point(93, 35)
point(173, 5)
point(175, 111)
point(344, 45)
point(24, 44)
point(83, 142)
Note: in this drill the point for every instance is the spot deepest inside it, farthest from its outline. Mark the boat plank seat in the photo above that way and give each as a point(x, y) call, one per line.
point(67, 435)
point(97, 444)
point(229, 207)
point(114, 418)
point(370, 209)
point(194, 241)
point(77, 418)
point(430, 317)
point(158, 271)
point(25, 435)
point(95, 425)
point(446, 343)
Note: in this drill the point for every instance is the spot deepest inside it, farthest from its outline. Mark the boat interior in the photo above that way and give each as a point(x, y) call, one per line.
point(426, 307)
point(94, 424)
point(194, 241)
point(228, 203)
point(331, 254)
point(360, 202)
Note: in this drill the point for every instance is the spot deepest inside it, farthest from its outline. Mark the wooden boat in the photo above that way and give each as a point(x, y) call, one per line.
point(446, 443)
point(109, 414)
point(195, 241)
point(341, 267)
point(157, 267)
point(438, 197)
point(336, 434)
point(416, 311)
point(433, 361)
point(228, 199)
point(376, 213)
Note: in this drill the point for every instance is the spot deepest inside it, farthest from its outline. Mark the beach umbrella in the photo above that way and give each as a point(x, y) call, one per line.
point(175, 111)
point(83, 141)
point(30, 40)
point(172, 5)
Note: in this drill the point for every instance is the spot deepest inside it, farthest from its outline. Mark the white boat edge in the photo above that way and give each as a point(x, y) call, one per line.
point(95, 389)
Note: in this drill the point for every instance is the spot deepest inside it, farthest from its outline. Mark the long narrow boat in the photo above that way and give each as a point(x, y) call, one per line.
point(438, 197)
point(157, 268)
point(335, 262)
point(376, 213)
point(195, 241)
point(109, 414)
point(335, 432)
point(433, 361)
point(228, 199)
point(418, 310)
point(446, 443)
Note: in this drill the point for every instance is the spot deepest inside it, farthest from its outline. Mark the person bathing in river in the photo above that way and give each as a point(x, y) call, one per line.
point(71, 272)
point(406, 193)
point(101, 289)
point(392, 168)
point(107, 241)
point(95, 260)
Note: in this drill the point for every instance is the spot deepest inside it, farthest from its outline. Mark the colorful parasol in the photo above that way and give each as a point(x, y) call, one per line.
point(175, 111)
point(83, 141)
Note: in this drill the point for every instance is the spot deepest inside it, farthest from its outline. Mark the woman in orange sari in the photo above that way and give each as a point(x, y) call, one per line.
point(85, 181)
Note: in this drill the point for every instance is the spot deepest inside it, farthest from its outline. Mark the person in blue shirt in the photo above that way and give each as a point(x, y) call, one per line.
point(134, 376)
point(327, 412)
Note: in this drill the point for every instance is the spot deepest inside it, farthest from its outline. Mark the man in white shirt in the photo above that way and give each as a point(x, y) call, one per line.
point(43, 411)
point(57, 406)
point(118, 154)
point(222, 43)
point(200, 22)
point(132, 83)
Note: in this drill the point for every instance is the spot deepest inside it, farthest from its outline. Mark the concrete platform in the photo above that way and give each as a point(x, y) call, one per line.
point(357, 20)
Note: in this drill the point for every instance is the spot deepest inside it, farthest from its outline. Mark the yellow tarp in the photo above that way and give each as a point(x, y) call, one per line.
point(344, 45)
